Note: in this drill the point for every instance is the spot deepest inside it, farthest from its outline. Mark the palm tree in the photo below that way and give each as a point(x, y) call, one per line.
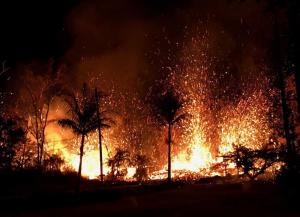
point(83, 119)
point(168, 108)
point(103, 123)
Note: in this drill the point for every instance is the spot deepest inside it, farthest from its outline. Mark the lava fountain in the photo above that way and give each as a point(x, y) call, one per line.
point(214, 124)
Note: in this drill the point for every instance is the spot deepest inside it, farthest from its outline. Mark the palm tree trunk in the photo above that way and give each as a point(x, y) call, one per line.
point(101, 155)
point(169, 154)
point(80, 162)
point(99, 136)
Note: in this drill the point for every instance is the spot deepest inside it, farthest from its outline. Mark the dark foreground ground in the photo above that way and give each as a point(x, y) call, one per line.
point(207, 200)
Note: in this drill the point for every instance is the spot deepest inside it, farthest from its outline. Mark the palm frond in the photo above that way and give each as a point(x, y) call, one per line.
point(68, 123)
point(180, 118)
point(107, 121)
point(167, 106)
point(105, 126)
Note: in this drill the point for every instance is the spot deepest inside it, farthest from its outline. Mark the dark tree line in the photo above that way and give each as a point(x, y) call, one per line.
point(286, 56)
point(12, 134)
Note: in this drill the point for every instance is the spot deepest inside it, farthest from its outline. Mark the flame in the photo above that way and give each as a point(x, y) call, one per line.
point(90, 164)
point(246, 124)
point(130, 173)
point(90, 161)
point(197, 155)
point(198, 159)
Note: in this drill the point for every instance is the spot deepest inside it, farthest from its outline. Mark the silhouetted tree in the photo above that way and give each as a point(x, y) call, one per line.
point(168, 107)
point(25, 155)
point(279, 55)
point(82, 120)
point(53, 163)
point(11, 135)
point(140, 163)
point(286, 112)
point(39, 94)
point(118, 164)
point(253, 162)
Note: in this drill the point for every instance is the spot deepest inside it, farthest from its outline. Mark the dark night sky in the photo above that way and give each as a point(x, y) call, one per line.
point(113, 37)
point(36, 29)
point(33, 29)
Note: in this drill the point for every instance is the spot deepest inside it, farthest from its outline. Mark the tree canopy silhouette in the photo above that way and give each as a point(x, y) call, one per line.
point(168, 107)
point(83, 118)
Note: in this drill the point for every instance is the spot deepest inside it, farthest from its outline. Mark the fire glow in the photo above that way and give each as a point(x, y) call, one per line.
point(245, 125)
point(208, 133)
